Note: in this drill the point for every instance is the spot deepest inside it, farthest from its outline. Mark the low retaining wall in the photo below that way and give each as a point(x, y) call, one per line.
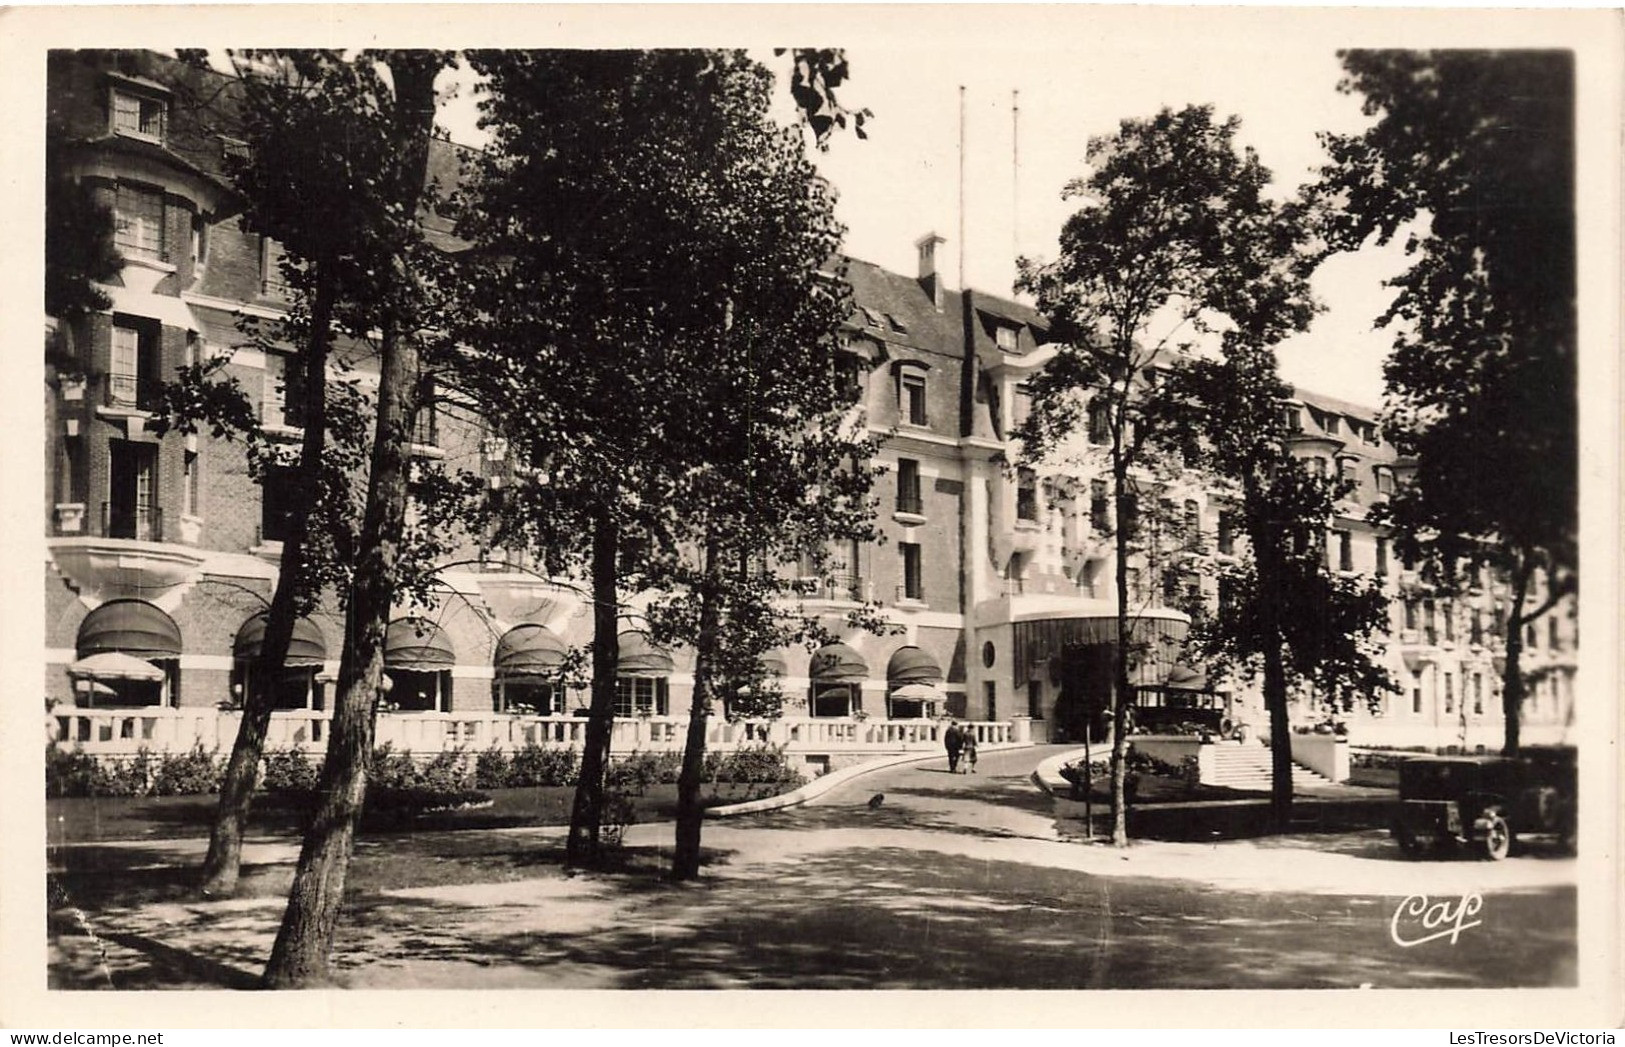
point(1325, 754)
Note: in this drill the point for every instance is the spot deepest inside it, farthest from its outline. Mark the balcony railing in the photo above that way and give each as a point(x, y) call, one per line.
point(142, 523)
point(124, 732)
point(133, 392)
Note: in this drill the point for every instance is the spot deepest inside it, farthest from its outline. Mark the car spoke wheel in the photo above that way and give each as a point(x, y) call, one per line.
point(1497, 841)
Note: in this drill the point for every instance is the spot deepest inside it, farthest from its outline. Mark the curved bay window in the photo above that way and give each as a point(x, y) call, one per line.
point(837, 673)
point(641, 677)
point(527, 663)
point(297, 685)
point(912, 679)
point(418, 657)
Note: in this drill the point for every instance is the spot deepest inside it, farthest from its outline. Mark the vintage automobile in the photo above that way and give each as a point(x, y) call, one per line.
point(1485, 801)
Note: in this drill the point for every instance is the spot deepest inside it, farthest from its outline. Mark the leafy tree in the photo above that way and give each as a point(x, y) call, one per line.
point(79, 249)
point(394, 99)
point(657, 340)
point(1283, 614)
point(1477, 148)
point(1173, 240)
point(307, 177)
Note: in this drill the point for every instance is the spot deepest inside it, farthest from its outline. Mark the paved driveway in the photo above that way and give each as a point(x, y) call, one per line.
point(949, 881)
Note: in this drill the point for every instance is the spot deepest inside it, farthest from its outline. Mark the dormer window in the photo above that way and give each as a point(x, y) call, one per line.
point(1005, 337)
point(139, 115)
point(1333, 425)
point(1292, 418)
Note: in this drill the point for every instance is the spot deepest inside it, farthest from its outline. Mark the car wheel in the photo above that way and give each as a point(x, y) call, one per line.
point(1408, 843)
point(1497, 841)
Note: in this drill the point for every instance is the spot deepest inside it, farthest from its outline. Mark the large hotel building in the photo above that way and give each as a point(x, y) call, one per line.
point(162, 552)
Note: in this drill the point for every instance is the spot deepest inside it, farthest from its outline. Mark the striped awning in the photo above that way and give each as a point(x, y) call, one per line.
point(307, 649)
point(911, 665)
point(418, 645)
point(837, 663)
point(128, 626)
point(529, 649)
point(639, 657)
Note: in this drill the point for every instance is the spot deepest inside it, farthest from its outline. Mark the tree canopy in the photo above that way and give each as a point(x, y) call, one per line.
point(1477, 148)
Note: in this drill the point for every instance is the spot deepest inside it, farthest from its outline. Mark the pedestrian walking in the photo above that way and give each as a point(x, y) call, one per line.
point(952, 740)
point(967, 749)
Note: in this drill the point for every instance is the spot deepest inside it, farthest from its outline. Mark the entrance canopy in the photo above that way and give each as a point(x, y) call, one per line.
point(1155, 640)
point(911, 665)
point(418, 645)
point(307, 649)
point(132, 627)
point(529, 649)
point(640, 657)
point(837, 663)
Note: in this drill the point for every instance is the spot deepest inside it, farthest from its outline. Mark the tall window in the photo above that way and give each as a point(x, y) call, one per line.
point(284, 391)
point(1416, 692)
point(139, 116)
point(132, 508)
point(913, 585)
point(138, 223)
point(191, 493)
point(1476, 634)
point(1449, 693)
point(1430, 627)
point(1551, 633)
point(908, 487)
point(911, 396)
point(1100, 417)
point(1099, 507)
point(426, 425)
point(1021, 406)
point(132, 373)
point(1478, 694)
point(1345, 551)
point(1382, 557)
point(1410, 613)
point(1193, 524)
point(279, 503)
point(272, 282)
point(1385, 480)
point(1027, 495)
point(1227, 532)
point(1450, 620)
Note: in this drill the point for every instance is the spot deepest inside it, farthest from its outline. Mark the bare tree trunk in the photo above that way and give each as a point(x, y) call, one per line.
point(685, 863)
point(1122, 696)
point(302, 952)
point(1268, 562)
point(222, 864)
point(1512, 672)
point(586, 816)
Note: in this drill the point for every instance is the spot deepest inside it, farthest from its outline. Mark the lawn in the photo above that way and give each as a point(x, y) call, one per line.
point(101, 819)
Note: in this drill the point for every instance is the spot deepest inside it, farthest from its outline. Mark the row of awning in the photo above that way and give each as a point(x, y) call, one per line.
point(122, 638)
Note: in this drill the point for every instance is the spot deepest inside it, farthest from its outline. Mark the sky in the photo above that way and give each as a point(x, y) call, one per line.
point(903, 180)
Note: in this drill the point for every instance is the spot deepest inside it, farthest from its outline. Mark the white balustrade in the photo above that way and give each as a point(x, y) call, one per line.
point(123, 732)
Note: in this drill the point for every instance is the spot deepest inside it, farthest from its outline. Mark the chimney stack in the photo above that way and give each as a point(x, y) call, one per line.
point(929, 278)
